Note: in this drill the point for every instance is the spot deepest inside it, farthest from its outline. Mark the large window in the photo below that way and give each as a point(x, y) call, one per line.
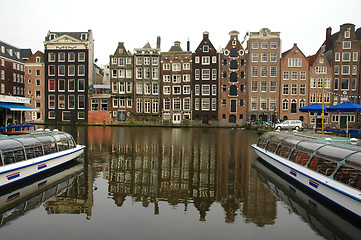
point(294, 62)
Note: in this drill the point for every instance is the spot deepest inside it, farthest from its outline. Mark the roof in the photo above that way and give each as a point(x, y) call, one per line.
point(10, 52)
point(311, 59)
point(26, 53)
point(76, 35)
point(175, 49)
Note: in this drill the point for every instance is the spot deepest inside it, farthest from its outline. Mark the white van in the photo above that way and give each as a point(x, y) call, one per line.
point(289, 124)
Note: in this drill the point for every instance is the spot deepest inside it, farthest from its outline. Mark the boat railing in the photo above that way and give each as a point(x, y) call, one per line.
point(17, 128)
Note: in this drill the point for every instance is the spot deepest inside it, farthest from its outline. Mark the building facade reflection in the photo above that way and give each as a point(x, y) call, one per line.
point(183, 167)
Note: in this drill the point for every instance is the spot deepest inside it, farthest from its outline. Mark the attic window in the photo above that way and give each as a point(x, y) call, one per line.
point(38, 59)
point(52, 36)
point(2, 49)
point(321, 60)
point(18, 54)
point(84, 36)
point(347, 34)
point(10, 52)
point(121, 51)
point(205, 48)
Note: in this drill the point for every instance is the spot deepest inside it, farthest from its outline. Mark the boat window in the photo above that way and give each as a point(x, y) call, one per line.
point(9, 144)
point(309, 147)
point(12, 151)
point(333, 152)
point(262, 142)
point(300, 157)
point(291, 142)
point(284, 151)
point(271, 146)
point(32, 147)
point(322, 165)
point(349, 175)
point(48, 143)
point(71, 141)
point(354, 160)
point(61, 142)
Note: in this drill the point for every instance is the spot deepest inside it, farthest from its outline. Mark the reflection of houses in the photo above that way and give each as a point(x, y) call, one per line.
point(169, 165)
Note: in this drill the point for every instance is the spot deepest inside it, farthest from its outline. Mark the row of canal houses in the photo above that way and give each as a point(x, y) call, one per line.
point(246, 81)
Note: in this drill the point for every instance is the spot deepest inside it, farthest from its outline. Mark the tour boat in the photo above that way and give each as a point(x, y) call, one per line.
point(24, 156)
point(329, 167)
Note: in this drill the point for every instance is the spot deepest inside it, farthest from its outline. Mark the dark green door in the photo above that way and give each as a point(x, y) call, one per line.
point(343, 121)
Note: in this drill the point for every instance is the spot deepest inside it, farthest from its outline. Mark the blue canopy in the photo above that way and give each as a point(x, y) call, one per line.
point(346, 107)
point(17, 107)
point(313, 108)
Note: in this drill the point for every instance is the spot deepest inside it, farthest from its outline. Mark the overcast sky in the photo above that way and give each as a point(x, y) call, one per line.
point(25, 23)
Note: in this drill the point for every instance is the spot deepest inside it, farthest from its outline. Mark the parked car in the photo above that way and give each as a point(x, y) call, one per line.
point(289, 124)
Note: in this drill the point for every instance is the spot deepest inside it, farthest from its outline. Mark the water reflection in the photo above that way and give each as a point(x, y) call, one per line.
point(59, 182)
point(316, 213)
point(181, 167)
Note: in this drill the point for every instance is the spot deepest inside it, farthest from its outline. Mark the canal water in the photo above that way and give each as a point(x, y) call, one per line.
point(166, 183)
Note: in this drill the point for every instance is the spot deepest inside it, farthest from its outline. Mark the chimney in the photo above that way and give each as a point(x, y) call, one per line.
point(188, 45)
point(158, 42)
point(328, 38)
point(205, 35)
point(234, 35)
point(177, 43)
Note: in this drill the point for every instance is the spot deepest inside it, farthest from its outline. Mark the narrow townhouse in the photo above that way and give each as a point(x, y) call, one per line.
point(205, 83)
point(233, 83)
point(175, 85)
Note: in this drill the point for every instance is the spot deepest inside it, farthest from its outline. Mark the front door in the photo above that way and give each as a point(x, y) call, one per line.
point(204, 119)
point(343, 121)
point(176, 118)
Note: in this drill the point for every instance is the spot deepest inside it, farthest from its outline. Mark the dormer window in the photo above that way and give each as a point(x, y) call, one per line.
point(10, 52)
point(84, 36)
point(347, 34)
point(205, 48)
point(52, 36)
point(38, 59)
point(2, 49)
point(18, 54)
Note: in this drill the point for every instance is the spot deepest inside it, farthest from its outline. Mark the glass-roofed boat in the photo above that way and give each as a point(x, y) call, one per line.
point(330, 167)
point(24, 156)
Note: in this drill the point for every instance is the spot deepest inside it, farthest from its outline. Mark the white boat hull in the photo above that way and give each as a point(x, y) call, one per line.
point(340, 194)
point(16, 172)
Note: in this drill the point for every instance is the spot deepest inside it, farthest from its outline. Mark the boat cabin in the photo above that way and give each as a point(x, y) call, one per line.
point(341, 162)
point(25, 147)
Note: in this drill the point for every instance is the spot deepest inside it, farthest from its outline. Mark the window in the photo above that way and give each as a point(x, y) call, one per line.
point(264, 71)
point(285, 104)
point(337, 69)
point(61, 102)
point(176, 66)
point(81, 57)
point(51, 85)
point(205, 90)
point(353, 84)
point(263, 86)
point(264, 57)
point(294, 75)
point(346, 45)
point(285, 89)
point(273, 86)
point(166, 78)
point(263, 103)
point(197, 74)
point(254, 71)
point(294, 62)
point(205, 74)
point(294, 89)
point(286, 75)
point(233, 91)
point(272, 103)
point(186, 78)
point(177, 78)
point(354, 69)
point(51, 57)
point(61, 85)
point(264, 45)
point(166, 90)
point(196, 104)
point(81, 101)
point(336, 84)
point(233, 64)
point(147, 73)
point(51, 102)
point(176, 104)
point(346, 56)
point(214, 74)
point(273, 45)
point(71, 70)
point(205, 48)
point(344, 84)
point(139, 72)
point(176, 90)
point(51, 70)
point(255, 45)
point(273, 71)
point(254, 57)
point(205, 104)
point(81, 70)
point(205, 60)
point(273, 57)
point(254, 103)
point(302, 89)
point(81, 85)
point(71, 57)
point(155, 89)
point(61, 57)
point(166, 104)
point(345, 69)
point(254, 86)
point(166, 66)
point(196, 90)
point(186, 89)
point(186, 66)
point(186, 104)
point(354, 56)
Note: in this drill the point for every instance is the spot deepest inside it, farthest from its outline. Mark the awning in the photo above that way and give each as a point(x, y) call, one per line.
point(17, 107)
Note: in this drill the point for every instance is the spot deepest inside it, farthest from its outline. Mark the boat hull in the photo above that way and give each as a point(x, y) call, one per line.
point(337, 193)
point(16, 172)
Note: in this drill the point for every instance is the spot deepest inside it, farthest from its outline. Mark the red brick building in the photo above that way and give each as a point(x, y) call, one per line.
point(233, 83)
